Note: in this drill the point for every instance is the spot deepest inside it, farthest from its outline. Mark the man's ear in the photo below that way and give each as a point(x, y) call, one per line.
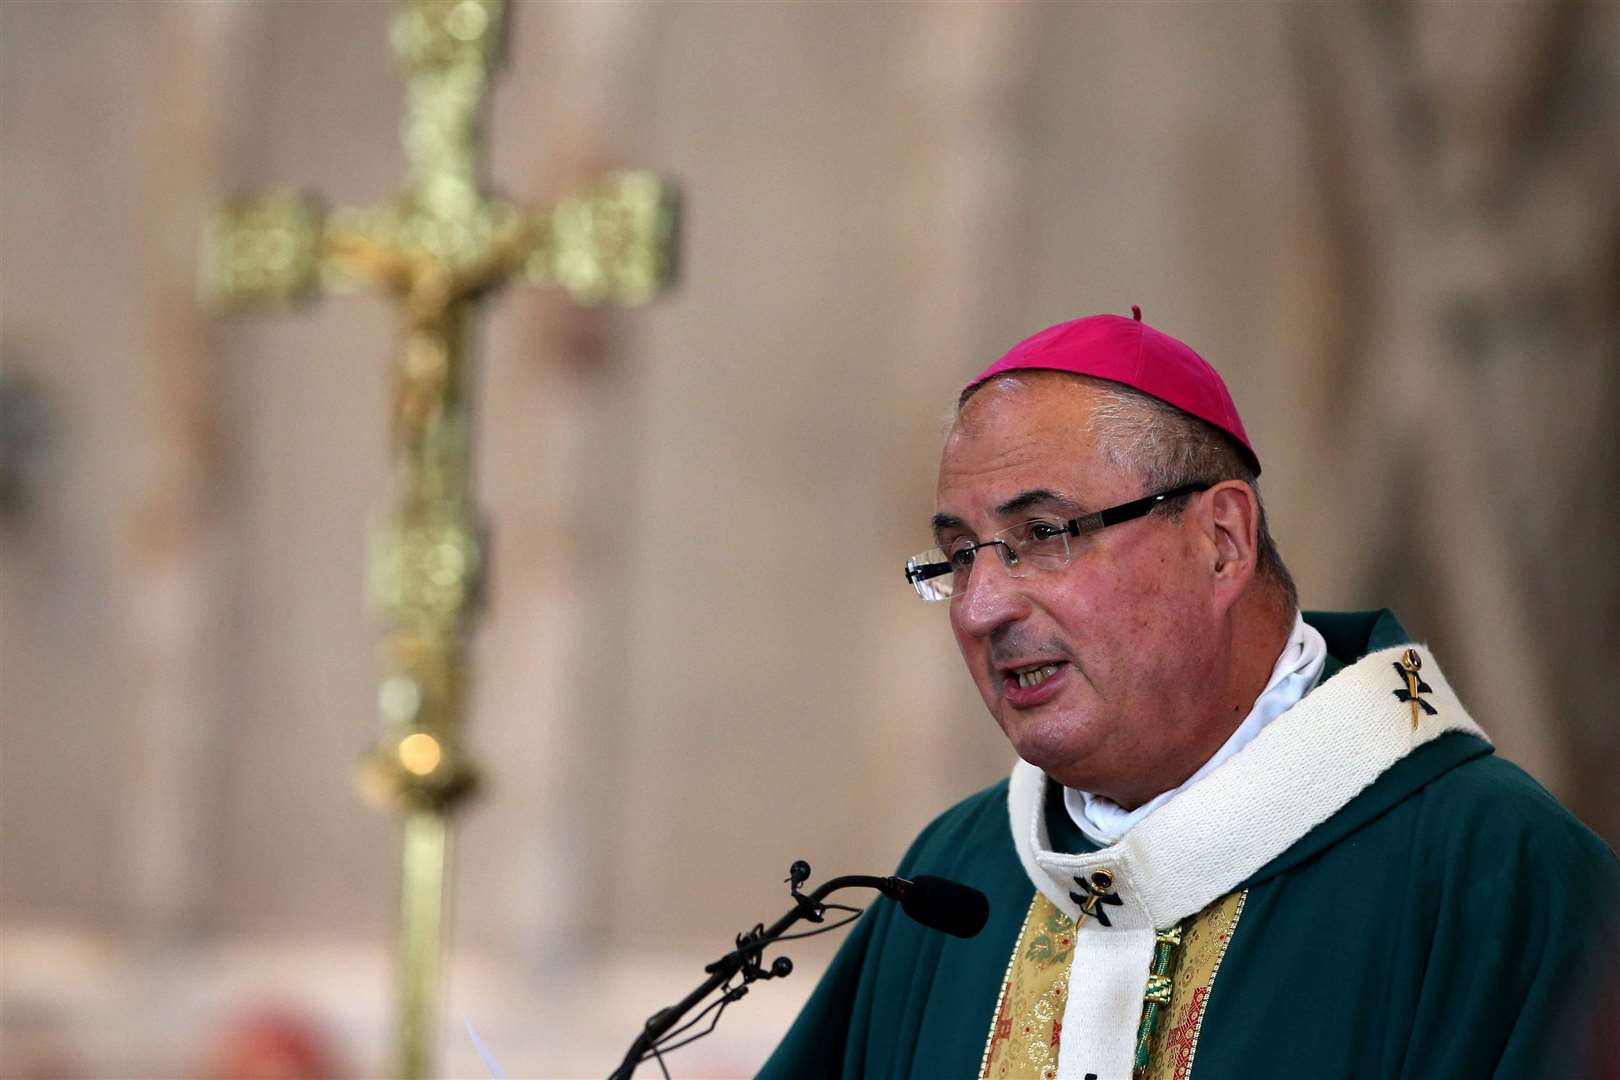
point(1232, 522)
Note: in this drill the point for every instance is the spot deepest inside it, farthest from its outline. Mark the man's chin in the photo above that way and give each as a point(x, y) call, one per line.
point(1058, 754)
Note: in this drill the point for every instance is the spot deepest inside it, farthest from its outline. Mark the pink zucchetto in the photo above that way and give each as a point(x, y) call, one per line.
point(1132, 353)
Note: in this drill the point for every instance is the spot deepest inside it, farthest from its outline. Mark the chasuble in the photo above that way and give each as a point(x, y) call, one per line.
point(1365, 890)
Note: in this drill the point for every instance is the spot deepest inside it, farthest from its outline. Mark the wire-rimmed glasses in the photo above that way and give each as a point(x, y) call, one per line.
point(1037, 544)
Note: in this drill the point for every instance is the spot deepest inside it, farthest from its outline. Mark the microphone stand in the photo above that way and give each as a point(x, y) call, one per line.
point(745, 959)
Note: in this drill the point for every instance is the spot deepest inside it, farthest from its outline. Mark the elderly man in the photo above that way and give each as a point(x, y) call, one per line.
point(1240, 842)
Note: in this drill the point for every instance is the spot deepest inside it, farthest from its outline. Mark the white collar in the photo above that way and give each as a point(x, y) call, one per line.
point(1294, 675)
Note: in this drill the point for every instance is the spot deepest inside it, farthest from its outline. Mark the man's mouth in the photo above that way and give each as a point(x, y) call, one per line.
point(1034, 674)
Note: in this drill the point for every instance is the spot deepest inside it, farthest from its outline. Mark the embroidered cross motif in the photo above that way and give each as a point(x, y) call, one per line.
point(1407, 668)
point(1097, 891)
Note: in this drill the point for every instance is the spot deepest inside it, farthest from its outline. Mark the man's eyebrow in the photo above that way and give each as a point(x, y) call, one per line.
point(1036, 497)
point(1014, 506)
point(942, 522)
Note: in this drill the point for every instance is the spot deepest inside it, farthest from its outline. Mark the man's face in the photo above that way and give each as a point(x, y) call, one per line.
point(1120, 640)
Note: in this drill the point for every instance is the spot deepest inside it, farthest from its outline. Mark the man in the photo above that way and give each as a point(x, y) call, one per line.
point(1239, 842)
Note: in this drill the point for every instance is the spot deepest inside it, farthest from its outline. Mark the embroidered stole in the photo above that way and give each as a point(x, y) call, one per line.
point(1028, 1024)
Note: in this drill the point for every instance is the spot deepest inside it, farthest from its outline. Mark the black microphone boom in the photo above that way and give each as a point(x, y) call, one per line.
point(935, 902)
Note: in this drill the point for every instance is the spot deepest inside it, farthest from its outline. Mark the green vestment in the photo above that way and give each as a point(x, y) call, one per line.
point(1446, 920)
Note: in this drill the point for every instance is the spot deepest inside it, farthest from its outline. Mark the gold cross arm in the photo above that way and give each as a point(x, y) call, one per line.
point(609, 241)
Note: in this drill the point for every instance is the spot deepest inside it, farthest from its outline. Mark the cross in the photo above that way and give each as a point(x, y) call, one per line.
point(1096, 891)
point(438, 248)
point(1408, 667)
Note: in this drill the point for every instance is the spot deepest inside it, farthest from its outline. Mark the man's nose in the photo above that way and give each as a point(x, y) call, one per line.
point(993, 596)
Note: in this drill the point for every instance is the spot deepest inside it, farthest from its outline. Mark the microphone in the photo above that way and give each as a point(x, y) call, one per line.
point(940, 904)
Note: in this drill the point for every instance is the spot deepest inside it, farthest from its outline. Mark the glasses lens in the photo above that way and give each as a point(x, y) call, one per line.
point(930, 574)
point(1041, 544)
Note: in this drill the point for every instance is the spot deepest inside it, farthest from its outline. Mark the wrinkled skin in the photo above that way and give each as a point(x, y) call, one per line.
point(1162, 636)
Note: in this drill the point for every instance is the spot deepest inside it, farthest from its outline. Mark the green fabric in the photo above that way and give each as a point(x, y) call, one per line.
point(1350, 635)
point(1436, 927)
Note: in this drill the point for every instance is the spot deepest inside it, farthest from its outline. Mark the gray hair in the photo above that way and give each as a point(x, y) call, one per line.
point(1165, 448)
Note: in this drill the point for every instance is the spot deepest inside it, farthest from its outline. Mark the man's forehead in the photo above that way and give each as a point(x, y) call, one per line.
point(1027, 399)
point(1020, 449)
point(1036, 424)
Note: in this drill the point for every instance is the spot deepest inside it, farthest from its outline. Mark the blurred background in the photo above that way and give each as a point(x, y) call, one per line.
point(1393, 227)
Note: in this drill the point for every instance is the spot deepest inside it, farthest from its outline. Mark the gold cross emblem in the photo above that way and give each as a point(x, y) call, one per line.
point(1408, 667)
point(1097, 891)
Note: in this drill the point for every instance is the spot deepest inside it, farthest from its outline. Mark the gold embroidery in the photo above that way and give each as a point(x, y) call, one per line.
point(1025, 1033)
point(995, 1022)
point(1203, 947)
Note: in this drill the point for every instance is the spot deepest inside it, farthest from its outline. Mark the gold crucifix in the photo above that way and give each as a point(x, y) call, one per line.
point(438, 248)
point(1408, 667)
point(1097, 891)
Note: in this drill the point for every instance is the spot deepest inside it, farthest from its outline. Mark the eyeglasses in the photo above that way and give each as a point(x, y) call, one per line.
point(941, 573)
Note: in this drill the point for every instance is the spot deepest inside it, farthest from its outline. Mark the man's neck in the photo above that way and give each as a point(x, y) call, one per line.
point(1257, 644)
point(1260, 631)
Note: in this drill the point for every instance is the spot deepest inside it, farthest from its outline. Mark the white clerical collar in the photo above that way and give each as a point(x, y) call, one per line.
point(1295, 674)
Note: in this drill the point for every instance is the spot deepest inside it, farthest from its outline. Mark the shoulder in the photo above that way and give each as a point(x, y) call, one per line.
point(1491, 793)
point(1490, 821)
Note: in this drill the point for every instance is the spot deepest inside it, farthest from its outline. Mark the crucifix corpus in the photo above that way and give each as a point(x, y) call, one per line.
point(439, 248)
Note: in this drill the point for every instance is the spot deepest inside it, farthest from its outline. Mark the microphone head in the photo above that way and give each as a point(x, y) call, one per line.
point(941, 904)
